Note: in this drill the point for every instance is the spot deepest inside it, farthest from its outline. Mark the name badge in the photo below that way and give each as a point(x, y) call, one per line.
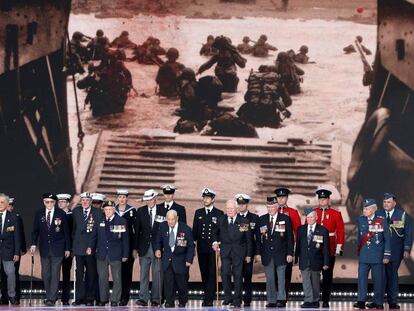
point(280, 227)
point(102, 224)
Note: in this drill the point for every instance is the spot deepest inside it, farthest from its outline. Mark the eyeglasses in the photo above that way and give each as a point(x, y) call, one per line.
point(49, 202)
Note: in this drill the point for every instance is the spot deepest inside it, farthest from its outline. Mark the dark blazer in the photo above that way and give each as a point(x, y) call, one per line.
point(315, 255)
point(183, 251)
point(144, 234)
point(182, 216)
point(115, 245)
point(130, 216)
point(54, 241)
point(277, 245)
point(83, 231)
point(234, 240)
point(203, 226)
point(10, 237)
point(23, 245)
point(253, 219)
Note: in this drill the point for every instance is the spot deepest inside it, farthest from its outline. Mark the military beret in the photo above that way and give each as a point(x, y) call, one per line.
point(206, 192)
point(149, 195)
point(109, 203)
point(388, 195)
point(122, 192)
point(64, 196)
point(242, 198)
point(282, 192)
point(49, 195)
point(323, 193)
point(369, 202)
point(308, 210)
point(168, 189)
point(270, 200)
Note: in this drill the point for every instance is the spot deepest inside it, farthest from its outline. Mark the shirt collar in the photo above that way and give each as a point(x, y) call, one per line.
point(244, 214)
point(390, 212)
point(112, 217)
point(169, 204)
point(175, 228)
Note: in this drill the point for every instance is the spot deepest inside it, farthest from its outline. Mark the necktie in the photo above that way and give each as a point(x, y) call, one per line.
point(310, 235)
point(48, 220)
point(388, 217)
point(167, 206)
point(271, 224)
point(171, 238)
point(150, 210)
point(85, 214)
point(1, 223)
point(208, 211)
point(231, 221)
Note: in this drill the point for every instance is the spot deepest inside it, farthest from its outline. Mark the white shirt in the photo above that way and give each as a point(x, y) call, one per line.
point(88, 210)
point(168, 205)
point(3, 220)
point(175, 229)
point(244, 214)
point(208, 209)
point(311, 228)
point(52, 211)
point(390, 213)
point(231, 218)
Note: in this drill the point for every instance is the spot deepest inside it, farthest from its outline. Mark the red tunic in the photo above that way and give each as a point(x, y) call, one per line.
point(294, 218)
point(332, 220)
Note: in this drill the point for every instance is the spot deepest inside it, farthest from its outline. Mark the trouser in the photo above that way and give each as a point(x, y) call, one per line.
point(4, 294)
point(175, 282)
point(103, 277)
point(391, 281)
point(270, 271)
point(327, 277)
point(10, 271)
point(247, 281)
point(207, 263)
point(288, 278)
point(311, 282)
point(147, 262)
point(127, 268)
point(86, 278)
point(232, 265)
point(378, 276)
point(51, 275)
point(66, 267)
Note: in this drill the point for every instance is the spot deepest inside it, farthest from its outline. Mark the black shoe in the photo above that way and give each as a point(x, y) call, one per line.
point(380, 307)
point(226, 303)
point(325, 304)
point(114, 304)
point(65, 303)
point(371, 305)
point(393, 306)
point(89, 303)
point(155, 304)
point(101, 303)
point(359, 305)
point(207, 304)
point(14, 301)
point(50, 303)
point(281, 304)
point(169, 305)
point(271, 305)
point(181, 305)
point(307, 305)
point(4, 302)
point(77, 303)
point(123, 303)
point(246, 305)
point(316, 304)
point(142, 303)
point(236, 305)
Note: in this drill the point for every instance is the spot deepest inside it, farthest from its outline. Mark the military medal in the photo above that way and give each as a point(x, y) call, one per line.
point(317, 245)
point(57, 229)
point(377, 242)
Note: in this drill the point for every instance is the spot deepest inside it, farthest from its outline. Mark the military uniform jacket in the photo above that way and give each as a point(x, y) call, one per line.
point(183, 249)
point(182, 217)
point(23, 245)
point(315, 254)
point(112, 239)
point(10, 237)
point(84, 230)
point(277, 245)
point(130, 215)
point(293, 214)
point(332, 220)
point(401, 234)
point(144, 234)
point(253, 219)
point(55, 240)
point(203, 226)
point(236, 239)
point(377, 247)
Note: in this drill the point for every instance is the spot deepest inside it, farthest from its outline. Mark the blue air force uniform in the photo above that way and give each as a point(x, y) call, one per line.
point(400, 231)
point(373, 247)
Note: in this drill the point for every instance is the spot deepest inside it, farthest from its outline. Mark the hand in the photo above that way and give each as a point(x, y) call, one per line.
point(289, 258)
point(325, 267)
point(216, 247)
point(258, 258)
point(385, 261)
point(32, 249)
point(67, 254)
point(124, 259)
point(187, 264)
point(158, 253)
point(406, 254)
point(16, 258)
point(89, 251)
point(248, 259)
point(135, 253)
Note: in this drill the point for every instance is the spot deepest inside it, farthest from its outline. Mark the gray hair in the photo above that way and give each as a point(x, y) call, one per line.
point(173, 213)
point(3, 195)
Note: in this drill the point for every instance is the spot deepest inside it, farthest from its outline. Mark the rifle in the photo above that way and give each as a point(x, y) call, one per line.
point(367, 66)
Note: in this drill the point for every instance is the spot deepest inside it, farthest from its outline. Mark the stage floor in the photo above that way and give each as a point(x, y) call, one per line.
point(37, 304)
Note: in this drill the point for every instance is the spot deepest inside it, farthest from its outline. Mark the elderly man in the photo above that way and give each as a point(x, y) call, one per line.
point(312, 252)
point(112, 248)
point(146, 229)
point(233, 240)
point(374, 251)
point(85, 222)
point(401, 238)
point(274, 236)
point(175, 245)
point(10, 245)
point(51, 231)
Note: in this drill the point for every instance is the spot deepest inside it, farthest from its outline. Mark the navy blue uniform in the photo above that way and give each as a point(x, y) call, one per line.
point(10, 237)
point(67, 265)
point(401, 239)
point(374, 246)
point(174, 261)
point(182, 216)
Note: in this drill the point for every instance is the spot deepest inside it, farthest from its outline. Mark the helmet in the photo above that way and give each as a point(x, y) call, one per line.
point(359, 38)
point(304, 49)
point(99, 33)
point(263, 37)
point(172, 53)
point(124, 33)
point(77, 35)
point(210, 37)
point(282, 57)
point(188, 74)
point(246, 39)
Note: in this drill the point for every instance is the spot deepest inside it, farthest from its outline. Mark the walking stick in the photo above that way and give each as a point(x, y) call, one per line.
point(217, 280)
point(31, 281)
point(159, 282)
point(74, 278)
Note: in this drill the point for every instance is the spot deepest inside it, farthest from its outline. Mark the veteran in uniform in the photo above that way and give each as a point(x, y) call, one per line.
point(112, 248)
point(275, 242)
point(51, 231)
point(169, 203)
point(243, 206)
point(332, 220)
point(205, 219)
point(400, 225)
point(374, 251)
point(129, 213)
